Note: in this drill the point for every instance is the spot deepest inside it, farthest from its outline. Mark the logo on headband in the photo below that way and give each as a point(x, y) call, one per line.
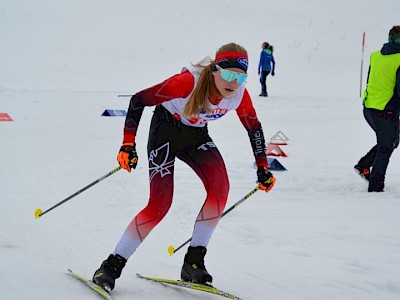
point(243, 61)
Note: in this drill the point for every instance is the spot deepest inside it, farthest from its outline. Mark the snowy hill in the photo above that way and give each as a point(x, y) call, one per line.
point(317, 235)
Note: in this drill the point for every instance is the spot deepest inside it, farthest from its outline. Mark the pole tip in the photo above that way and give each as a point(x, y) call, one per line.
point(171, 250)
point(38, 213)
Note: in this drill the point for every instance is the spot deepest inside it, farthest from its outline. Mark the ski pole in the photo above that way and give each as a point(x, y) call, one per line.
point(39, 212)
point(172, 250)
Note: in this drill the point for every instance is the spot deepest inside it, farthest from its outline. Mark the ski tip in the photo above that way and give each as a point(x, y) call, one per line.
point(38, 213)
point(171, 250)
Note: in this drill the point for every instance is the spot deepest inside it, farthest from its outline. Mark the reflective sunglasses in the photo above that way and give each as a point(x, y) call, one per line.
point(230, 76)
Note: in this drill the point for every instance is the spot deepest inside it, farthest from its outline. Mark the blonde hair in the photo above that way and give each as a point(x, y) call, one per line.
point(201, 94)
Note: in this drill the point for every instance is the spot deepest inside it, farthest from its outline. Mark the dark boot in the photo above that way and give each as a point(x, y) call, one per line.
point(193, 268)
point(364, 172)
point(376, 186)
point(376, 182)
point(109, 270)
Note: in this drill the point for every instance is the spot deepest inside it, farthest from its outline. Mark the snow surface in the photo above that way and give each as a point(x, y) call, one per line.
point(317, 235)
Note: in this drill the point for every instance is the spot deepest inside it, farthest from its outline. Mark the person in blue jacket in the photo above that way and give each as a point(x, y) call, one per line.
point(266, 66)
point(381, 110)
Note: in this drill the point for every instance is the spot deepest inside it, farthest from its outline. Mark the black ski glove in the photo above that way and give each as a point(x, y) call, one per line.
point(127, 156)
point(265, 179)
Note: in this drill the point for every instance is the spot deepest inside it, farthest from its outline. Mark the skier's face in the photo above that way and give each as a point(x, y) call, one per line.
point(227, 83)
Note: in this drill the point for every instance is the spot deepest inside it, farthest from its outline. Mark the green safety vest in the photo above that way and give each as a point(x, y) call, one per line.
point(381, 80)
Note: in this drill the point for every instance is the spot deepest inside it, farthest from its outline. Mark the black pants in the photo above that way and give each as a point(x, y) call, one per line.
point(386, 127)
point(263, 80)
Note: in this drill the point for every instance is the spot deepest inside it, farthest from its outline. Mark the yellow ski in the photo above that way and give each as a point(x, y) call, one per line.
point(191, 285)
point(98, 289)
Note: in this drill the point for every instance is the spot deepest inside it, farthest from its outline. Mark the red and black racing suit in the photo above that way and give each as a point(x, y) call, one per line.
point(168, 139)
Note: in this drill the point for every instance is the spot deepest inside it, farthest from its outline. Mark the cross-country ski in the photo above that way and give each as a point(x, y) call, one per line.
point(99, 290)
point(191, 285)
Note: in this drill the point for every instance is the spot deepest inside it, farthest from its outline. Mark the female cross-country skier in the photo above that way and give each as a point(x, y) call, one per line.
point(184, 104)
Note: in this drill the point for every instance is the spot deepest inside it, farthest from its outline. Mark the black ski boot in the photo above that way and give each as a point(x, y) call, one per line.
point(376, 183)
point(193, 268)
point(364, 172)
point(109, 270)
